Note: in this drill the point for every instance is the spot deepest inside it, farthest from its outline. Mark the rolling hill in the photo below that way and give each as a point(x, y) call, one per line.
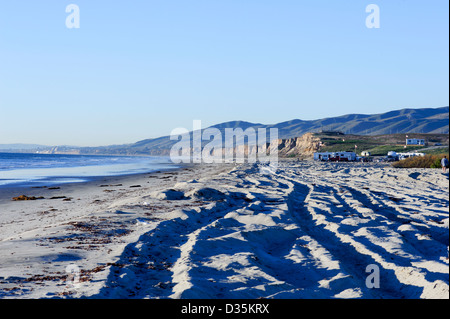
point(423, 121)
point(369, 129)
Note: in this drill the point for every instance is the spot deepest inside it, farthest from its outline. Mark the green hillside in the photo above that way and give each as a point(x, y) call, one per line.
point(378, 145)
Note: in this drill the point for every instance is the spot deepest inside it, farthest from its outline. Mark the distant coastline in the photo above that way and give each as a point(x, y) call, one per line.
point(24, 169)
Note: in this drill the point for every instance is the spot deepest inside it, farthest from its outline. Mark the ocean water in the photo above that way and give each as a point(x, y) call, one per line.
point(17, 169)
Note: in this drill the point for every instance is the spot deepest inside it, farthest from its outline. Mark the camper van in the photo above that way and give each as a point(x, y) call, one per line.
point(392, 157)
point(335, 156)
point(408, 155)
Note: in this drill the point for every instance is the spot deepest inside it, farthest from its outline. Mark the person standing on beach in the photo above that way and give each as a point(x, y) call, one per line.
point(444, 164)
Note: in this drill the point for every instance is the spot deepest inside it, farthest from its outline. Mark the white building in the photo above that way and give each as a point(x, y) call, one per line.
point(415, 141)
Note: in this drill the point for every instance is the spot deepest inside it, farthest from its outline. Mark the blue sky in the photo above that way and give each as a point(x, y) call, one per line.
point(138, 69)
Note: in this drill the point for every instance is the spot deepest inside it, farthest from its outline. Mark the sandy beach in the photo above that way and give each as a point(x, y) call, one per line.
point(303, 230)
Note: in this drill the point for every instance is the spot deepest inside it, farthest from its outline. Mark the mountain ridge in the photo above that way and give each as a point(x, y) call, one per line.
point(424, 120)
point(407, 120)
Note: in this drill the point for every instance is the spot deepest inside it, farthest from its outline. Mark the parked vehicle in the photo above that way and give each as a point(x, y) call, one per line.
point(335, 156)
point(403, 156)
point(392, 157)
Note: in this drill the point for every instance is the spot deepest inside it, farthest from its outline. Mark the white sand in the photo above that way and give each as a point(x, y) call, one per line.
point(308, 231)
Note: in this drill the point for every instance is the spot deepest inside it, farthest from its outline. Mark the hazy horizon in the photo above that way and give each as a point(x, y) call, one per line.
point(20, 145)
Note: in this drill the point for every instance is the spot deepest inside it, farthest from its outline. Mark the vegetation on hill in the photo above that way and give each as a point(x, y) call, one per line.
point(437, 151)
point(379, 126)
point(378, 145)
point(382, 150)
point(427, 161)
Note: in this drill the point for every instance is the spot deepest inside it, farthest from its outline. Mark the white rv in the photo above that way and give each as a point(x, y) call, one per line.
point(408, 155)
point(335, 156)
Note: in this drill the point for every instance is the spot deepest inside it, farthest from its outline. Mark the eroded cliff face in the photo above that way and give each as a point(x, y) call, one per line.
point(303, 146)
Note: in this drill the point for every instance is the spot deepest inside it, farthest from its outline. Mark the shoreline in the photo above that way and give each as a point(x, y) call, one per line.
point(6, 190)
point(79, 171)
point(231, 231)
point(39, 238)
